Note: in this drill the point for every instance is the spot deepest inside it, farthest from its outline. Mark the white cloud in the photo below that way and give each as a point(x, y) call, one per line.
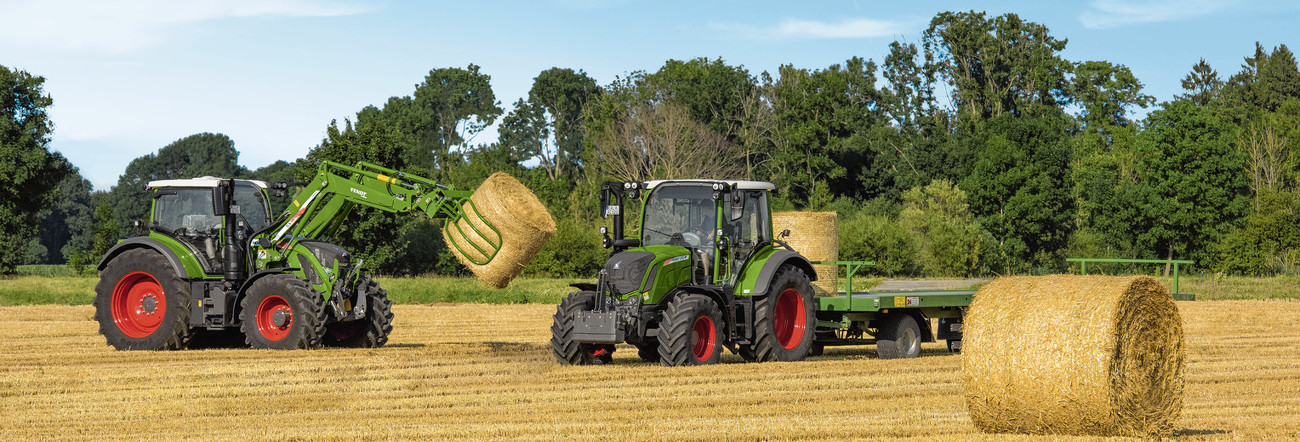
point(793, 28)
point(1113, 13)
point(126, 26)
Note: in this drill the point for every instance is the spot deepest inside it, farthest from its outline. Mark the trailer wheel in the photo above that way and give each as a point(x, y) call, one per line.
point(784, 320)
point(562, 345)
point(690, 332)
point(142, 304)
point(282, 312)
point(899, 337)
point(373, 330)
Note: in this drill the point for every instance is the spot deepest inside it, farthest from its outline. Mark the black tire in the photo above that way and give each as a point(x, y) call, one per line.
point(371, 331)
point(690, 332)
point(781, 331)
point(127, 303)
point(562, 346)
point(282, 312)
point(648, 352)
point(817, 349)
point(899, 337)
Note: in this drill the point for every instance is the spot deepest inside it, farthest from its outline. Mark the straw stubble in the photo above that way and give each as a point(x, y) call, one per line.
point(1066, 354)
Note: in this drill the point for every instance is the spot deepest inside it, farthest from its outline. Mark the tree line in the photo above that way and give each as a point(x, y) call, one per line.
point(978, 150)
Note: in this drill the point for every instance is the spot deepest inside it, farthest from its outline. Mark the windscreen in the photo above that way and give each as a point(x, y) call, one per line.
point(252, 205)
point(686, 210)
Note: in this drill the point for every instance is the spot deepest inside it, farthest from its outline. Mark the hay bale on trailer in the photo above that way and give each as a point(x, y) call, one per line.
point(815, 235)
point(1065, 354)
point(520, 219)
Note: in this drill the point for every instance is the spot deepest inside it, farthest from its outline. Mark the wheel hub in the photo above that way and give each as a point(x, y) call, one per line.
point(149, 304)
point(280, 318)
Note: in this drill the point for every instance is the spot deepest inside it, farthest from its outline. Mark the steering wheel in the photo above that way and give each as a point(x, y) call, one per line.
point(691, 238)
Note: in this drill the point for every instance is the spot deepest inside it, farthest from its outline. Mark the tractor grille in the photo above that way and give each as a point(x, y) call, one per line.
point(627, 269)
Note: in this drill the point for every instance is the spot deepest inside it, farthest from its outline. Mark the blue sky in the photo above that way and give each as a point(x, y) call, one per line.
point(128, 77)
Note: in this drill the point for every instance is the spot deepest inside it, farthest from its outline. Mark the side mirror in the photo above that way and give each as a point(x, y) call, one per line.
point(222, 195)
point(784, 233)
point(604, 204)
point(737, 204)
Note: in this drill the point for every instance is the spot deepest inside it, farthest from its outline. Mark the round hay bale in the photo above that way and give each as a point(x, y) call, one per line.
point(1069, 354)
point(814, 235)
point(517, 214)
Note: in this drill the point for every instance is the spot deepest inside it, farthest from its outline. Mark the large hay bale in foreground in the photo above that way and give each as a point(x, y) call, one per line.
point(1066, 354)
point(518, 215)
point(815, 235)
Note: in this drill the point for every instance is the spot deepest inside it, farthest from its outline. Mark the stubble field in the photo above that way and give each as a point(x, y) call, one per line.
point(485, 371)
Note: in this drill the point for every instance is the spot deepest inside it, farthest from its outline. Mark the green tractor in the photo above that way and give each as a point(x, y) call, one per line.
point(212, 260)
point(705, 272)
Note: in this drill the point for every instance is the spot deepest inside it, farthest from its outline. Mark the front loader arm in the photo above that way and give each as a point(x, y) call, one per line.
point(322, 206)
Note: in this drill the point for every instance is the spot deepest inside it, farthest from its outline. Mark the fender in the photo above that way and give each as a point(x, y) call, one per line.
point(143, 242)
point(774, 262)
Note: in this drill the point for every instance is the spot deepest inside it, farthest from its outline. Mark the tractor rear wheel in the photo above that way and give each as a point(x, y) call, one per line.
point(690, 332)
point(562, 345)
point(371, 331)
point(142, 304)
point(784, 319)
point(282, 312)
point(899, 337)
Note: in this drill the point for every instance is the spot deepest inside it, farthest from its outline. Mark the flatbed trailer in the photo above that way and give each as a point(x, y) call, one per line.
point(896, 322)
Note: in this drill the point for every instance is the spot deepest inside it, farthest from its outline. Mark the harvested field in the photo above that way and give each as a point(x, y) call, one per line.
point(485, 371)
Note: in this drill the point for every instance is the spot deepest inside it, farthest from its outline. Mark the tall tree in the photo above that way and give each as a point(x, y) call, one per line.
point(819, 118)
point(1265, 81)
point(68, 225)
point(1197, 189)
point(450, 107)
point(1018, 188)
point(1202, 85)
point(997, 65)
point(29, 172)
point(1105, 92)
point(548, 126)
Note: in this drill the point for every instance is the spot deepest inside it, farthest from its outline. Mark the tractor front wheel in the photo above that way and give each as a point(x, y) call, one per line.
point(690, 332)
point(282, 312)
point(142, 304)
point(562, 345)
point(785, 319)
point(371, 331)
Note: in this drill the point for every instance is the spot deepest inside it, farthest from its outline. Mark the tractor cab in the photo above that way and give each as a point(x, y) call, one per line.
point(191, 211)
point(721, 222)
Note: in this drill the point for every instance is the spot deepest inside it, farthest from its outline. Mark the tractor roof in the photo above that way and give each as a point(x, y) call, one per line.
point(742, 185)
point(207, 181)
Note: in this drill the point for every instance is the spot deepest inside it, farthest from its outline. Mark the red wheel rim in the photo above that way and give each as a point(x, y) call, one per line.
point(138, 304)
point(274, 327)
point(790, 319)
point(703, 338)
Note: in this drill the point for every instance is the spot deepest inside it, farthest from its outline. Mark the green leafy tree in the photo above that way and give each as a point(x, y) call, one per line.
point(1266, 80)
point(548, 126)
point(869, 237)
point(1197, 191)
point(819, 118)
point(67, 226)
point(29, 172)
point(951, 241)
point(1105, 92)
point(448, 109)
point(997, 65)
point(1018, 185)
